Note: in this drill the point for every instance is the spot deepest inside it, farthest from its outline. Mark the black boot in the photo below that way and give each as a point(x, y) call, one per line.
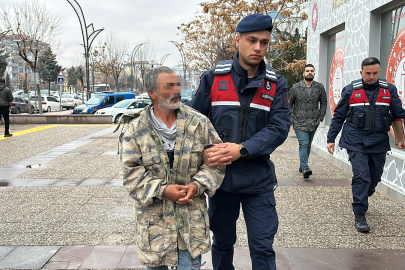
point(360, 223)
point(8, 135)
point(306, 173)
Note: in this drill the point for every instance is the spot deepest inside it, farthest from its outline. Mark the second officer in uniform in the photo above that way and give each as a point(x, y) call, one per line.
point(368, 106)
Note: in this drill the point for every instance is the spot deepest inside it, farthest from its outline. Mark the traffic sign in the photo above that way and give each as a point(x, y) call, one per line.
point(61, 77)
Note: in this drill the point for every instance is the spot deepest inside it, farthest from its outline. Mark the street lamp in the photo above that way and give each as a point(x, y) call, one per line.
point(88, 34)
point(179, 47)
point(134, 51)
point(164, 58)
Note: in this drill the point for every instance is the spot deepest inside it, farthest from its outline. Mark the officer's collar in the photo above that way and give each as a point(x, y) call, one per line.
point(242, 72)
point(370, 86)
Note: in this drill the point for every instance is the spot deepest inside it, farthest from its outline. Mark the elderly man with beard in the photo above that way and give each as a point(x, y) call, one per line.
point(308, 103)
point(162, 155)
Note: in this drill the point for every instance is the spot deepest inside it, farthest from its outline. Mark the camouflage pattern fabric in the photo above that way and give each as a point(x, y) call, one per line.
point(147, 172)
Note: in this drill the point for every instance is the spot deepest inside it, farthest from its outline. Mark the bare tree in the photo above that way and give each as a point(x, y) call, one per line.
point(100, 61)
point(34, 31)
point(116, 50)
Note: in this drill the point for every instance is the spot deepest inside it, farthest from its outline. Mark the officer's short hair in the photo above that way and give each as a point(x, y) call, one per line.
point(308, 65)
point(152, 75)
point(370, 61)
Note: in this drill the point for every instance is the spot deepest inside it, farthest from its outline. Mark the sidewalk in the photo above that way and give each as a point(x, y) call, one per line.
point(72, 212)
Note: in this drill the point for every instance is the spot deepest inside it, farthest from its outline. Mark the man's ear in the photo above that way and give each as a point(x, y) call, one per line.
point(237, 40)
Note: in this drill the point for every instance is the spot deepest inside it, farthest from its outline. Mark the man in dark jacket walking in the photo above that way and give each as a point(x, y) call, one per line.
point(308, 102)
point(5, 98)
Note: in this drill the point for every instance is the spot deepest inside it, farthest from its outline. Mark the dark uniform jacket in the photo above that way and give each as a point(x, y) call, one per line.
point(307, 110)
point(255, 173)
point(366, 112)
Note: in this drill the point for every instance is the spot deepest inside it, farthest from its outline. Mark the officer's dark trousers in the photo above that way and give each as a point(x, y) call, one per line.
point(367, 170)
point(5, 112)
point(261, 221)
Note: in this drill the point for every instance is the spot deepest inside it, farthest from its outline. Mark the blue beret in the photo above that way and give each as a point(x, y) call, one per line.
point(254, 22)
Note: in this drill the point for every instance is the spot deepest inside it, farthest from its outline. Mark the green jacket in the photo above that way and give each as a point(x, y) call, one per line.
point(147, 173)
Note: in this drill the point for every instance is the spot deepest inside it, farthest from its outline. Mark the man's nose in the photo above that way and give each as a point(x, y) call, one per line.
point(257, 46)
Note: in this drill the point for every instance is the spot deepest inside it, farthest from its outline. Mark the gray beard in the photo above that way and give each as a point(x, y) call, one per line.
point(166, 105)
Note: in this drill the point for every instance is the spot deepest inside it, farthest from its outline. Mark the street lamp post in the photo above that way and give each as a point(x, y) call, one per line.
point(134, 51)
point(164, 58)
point(182, 55)
point(88, 34)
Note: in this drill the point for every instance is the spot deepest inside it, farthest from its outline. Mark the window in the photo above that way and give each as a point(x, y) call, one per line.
point(119, 98)
point(392, 53)
point(108, 101)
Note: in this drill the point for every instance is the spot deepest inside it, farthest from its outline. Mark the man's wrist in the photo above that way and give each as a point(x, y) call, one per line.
point(243, 151)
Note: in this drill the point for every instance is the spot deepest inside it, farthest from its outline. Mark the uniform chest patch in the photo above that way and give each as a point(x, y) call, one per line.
point(268, 97)
point(385, 97)
point(223, 85)
point(358, 95)
point(268, 86)
point(384, 91)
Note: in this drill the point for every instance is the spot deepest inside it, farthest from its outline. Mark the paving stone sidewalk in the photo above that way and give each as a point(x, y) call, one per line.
point(73, 212)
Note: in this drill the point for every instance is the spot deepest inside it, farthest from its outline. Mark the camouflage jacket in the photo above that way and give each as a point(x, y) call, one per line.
point(147, 173)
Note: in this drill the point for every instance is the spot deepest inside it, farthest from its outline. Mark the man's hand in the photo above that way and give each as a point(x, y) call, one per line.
point(234, 150)
point(175, 192)
point(192, 190)
point(331, 148)
point(217, 156)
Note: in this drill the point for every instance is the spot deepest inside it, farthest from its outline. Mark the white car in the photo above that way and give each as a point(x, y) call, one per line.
point(48, 103)
point(126, 106)
point(71, 101)
point(143, 96)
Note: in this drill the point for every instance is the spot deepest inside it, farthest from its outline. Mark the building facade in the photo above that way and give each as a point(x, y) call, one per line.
point(16, 68)
point(341, 33)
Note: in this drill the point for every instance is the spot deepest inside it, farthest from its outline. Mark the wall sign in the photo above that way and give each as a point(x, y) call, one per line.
point(336, 78)
point(314, 16)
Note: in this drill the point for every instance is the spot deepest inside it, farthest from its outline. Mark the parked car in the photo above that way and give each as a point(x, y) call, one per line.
point(143, 96)
point(48, 103)
point(17, 93)
point(127, 106)
point(97, 102)
point(70, 101)
point(186, 96)
point(20, 105)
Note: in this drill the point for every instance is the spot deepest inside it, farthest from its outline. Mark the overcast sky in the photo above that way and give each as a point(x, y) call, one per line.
point(129, 20)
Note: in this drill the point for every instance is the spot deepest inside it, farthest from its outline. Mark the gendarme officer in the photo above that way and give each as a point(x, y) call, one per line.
point(249, 108)
point(368, 105)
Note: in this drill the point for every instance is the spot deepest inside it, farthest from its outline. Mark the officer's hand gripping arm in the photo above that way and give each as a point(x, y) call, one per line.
point(208, 179)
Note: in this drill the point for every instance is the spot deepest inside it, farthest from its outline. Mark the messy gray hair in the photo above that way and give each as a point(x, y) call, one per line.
point(151, 77)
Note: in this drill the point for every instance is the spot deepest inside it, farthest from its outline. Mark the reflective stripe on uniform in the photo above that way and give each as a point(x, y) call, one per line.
point(260, 107)
point(359, 104)
point(225, 103)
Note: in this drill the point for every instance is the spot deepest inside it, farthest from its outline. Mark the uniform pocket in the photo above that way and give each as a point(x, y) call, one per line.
point(224, 128)
point(196, 159)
